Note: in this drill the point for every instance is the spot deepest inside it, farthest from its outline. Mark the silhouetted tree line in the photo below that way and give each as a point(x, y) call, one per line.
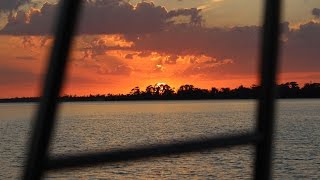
point(189, 92)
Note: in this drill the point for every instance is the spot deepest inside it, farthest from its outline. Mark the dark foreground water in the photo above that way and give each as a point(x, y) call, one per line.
point(86, 127)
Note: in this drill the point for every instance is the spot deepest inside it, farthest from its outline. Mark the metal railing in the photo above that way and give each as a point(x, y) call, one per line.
point(39, 160)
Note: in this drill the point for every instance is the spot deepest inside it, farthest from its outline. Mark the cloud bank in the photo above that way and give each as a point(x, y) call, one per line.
point(9, 5)
point(153, 29)
point(101, 17)
point(316, 12)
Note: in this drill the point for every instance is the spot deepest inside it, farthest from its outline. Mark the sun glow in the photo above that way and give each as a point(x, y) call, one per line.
point(161, 83)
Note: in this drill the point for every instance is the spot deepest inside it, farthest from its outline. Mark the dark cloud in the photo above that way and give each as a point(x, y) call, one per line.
point(233, 50)
point(152, 28)
point(9, 5)
point(35, 23)
point(316, 12)
point(195, 18)
point(239, 44)
point(96, 47)
point(301, 50)
point(10, 75)
point(102, 17)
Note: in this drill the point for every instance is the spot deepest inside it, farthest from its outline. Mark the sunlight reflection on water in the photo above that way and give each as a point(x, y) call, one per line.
point(104, 126)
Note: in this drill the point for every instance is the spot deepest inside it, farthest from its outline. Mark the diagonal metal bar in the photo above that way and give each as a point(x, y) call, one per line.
point(37, 160)
point(44, 123)
point(196, 145)
point(268, 70)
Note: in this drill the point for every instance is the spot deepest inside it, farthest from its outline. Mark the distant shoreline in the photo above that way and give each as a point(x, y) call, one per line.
point(289, 90)
point(37, 100)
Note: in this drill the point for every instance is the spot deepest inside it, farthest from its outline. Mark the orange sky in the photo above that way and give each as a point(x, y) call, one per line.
point(175, 43)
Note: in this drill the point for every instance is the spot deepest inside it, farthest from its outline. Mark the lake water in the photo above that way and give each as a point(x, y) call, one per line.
point(106, 126)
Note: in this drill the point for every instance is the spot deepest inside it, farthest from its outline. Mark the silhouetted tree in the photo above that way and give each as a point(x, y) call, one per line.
point(311, 90)
point(166, 90)
point(187, 91)
point(135, 91)
point(288, 90)
point(214, 92)
point(225, 93)
point(243, 92)
point(150, 91)
point(255, 90)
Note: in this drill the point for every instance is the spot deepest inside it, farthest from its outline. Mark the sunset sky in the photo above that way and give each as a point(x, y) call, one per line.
point(123, 44)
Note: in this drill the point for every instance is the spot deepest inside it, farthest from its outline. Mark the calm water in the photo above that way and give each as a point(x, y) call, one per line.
point(104, 126)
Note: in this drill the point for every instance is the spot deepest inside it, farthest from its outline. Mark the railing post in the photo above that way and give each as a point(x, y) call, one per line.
point(43, 127)
point(268, 71)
